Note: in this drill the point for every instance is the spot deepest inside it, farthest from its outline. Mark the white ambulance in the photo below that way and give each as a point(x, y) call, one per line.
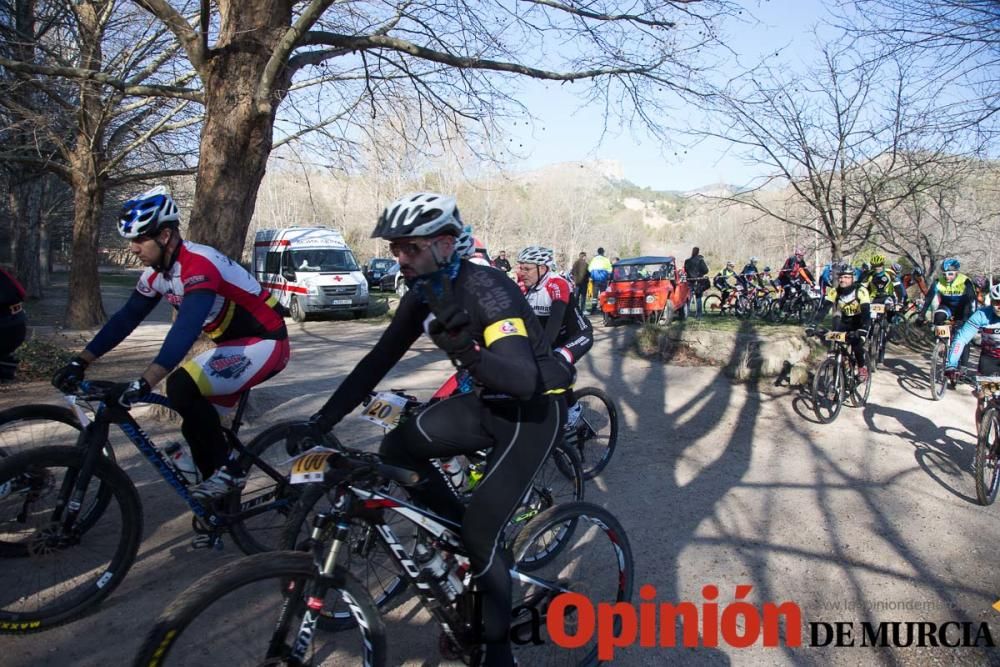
point(310, 270)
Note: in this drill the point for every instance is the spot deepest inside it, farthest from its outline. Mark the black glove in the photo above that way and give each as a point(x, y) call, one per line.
point(451, 328)
point(921, 320)
point(70, 376)
point(126, 394)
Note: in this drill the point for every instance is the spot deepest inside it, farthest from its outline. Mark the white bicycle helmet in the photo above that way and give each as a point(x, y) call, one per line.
point(148, 213)
point(465, 243)
point(536, 254)
point(419, 214)
point(995, 294)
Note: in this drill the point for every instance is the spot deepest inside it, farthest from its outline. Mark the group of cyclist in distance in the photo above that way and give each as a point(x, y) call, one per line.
point(517, 348)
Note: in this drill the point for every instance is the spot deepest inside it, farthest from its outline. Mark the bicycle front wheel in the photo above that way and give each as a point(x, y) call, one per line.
point(987, 464)
point(939, 356)
point(712, 305)
point(364, 555)
point(54, 572)
point(271, 497)
point(828, 391)
point(597, 565)
point(594, 435)
point(250, 611)
point(29, 426)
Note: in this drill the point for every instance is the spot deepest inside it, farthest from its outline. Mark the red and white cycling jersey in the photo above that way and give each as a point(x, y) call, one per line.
point(550, 288)
point(242, 307)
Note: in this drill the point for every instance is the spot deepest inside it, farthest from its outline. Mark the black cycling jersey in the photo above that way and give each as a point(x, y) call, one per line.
point(518, 411)
point(515, 356)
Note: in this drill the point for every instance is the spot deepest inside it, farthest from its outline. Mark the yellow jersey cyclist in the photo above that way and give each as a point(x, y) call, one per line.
point(479, 318)
point(852, 304)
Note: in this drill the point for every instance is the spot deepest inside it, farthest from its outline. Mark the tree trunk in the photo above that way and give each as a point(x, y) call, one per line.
point(236, 137)
point(25, 205)
point(85, 309)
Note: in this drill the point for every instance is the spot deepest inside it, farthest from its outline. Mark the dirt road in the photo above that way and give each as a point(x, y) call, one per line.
point(870, 518)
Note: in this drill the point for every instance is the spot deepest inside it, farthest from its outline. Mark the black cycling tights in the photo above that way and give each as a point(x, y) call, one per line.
point(201, 426)
point(521, 435)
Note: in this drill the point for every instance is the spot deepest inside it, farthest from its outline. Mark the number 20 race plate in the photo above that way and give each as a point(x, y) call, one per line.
point(384, 410)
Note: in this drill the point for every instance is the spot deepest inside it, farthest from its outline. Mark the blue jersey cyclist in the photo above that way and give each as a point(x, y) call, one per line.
point(987, 321)
point(479, 318)
point(212, 295)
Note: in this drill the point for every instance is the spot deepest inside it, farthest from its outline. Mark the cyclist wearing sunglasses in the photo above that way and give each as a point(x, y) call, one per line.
point(480, 319)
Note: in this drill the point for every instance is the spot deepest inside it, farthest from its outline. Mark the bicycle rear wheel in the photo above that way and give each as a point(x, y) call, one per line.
point(828, 391)
point(594, 435)
point(712, 305)
point(52, 573)
point(230, 617)
point(597, 565)
point(939, 356)
point(987, 464)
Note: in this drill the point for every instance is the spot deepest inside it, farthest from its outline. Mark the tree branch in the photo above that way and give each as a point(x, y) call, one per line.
point(182, 30)
point(78, 74)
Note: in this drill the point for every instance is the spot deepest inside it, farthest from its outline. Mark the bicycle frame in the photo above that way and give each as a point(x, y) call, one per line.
point(461, 629)
point(96, 431)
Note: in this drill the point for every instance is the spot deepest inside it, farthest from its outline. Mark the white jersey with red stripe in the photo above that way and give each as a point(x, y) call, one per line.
point(552, 287)
point(242, 307)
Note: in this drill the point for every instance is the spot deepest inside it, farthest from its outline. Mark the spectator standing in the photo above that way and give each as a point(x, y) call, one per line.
point(13, 323)
point(581, 277)
point(697, 271)
point(600, 274)
point(502, 263)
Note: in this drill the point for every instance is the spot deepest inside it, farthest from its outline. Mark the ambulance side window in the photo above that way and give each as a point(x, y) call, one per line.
point(272, 263)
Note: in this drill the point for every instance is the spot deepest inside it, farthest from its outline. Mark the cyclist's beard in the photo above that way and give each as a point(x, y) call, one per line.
point(449, 271)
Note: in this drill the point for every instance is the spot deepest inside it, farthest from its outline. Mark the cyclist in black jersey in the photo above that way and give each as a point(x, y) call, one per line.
point(480, 319)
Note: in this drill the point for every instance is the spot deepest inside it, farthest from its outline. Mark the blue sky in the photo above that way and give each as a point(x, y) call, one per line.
point(562, 132)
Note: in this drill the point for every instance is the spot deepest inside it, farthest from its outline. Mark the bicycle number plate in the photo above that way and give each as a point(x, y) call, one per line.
point(309, 466)
point(942, 331)
point(838, 336)
point(878, 308)
point(385, 409)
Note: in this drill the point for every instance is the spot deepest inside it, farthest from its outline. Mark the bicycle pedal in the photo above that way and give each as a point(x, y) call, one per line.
point(207, 541)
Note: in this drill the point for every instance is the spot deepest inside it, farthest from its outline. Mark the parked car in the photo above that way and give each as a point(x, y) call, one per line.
point(644, 288)
point(392, 281)
point(375, 269)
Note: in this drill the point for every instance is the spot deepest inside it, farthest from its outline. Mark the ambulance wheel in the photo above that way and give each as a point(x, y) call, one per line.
point(298, 314)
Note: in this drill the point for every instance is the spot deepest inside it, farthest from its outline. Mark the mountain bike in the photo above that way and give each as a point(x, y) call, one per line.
point(939, 359)
point(264, 609)
point(837, 376)
point(560, 480)
point(987, 461)
point(736, 303)
point(879, 333)
point(71, 519)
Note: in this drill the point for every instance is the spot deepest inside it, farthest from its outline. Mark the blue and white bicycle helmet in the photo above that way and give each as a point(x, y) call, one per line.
point(419, 214)
point(950, 264)
point(148, 213)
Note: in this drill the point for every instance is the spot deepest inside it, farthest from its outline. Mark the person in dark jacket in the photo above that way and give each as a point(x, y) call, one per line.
point(581, 278)
point(697, 276)
point(13, 323)
point(502, 262)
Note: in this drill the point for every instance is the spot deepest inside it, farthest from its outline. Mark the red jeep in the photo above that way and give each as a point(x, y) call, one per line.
point(644, 288)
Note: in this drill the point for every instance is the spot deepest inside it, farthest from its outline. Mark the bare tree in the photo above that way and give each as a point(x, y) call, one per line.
point(838, 142)
point(449, 60)
point(958, 41)
point(92, 135)
point(951, 218)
